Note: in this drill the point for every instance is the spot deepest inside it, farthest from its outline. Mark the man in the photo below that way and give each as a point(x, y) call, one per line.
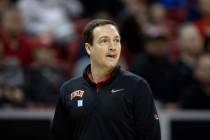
point(191, 46)
point(106, 103)
point(155, 65)
point(197, 95)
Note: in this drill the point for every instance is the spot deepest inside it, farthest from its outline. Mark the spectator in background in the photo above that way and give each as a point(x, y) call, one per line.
point(155, 66)
point(132, 38)
point(44, 77)
point(157, 16)
point(73, 8)
point(4, 4)
point(197, 96)
point(203, 23)
point(50, 17)
point(191, 47)
point(11, 81)
point(132, 20)
point(15, 42)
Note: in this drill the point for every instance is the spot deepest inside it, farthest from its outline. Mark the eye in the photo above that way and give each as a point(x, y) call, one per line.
point(104, 40)
point(117, 40)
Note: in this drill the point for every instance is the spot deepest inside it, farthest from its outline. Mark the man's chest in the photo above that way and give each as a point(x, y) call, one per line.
point(107, 102)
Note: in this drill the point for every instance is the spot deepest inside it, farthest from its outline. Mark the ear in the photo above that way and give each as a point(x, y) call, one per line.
point(88, 48)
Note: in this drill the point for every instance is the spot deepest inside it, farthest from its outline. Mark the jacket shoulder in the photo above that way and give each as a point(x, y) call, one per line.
point(131, 77)
point(137, 84)
point(71, 83)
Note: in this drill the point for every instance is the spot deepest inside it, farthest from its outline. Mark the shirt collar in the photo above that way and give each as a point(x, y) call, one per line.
point(107, 79)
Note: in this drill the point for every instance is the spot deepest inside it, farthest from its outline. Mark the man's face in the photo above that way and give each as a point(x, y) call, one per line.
point(157, 47)
point(106, 47)
point(202, 71)
point(204, 7)
point(12, 22)
point(191, 41)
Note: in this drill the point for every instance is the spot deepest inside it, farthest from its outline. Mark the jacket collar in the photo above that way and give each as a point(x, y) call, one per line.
point(109, 78)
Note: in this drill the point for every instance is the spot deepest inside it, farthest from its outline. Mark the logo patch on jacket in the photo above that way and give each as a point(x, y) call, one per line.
point(79, 103)
point(77, 93)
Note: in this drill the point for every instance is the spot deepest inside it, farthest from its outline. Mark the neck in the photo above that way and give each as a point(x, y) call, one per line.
point(99, 74)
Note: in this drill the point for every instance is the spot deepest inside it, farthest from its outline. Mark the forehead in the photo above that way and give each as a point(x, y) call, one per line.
point(105, 30)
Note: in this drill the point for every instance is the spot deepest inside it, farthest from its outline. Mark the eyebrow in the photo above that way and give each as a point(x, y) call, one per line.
point(108, 37)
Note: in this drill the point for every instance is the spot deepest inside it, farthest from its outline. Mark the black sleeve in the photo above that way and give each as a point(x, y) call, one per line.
point(145, 114)
point(60, 128)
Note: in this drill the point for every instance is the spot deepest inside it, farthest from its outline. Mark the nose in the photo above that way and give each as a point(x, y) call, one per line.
point(112, 46)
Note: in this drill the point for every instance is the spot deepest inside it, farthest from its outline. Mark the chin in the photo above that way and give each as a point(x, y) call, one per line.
point(111, 65)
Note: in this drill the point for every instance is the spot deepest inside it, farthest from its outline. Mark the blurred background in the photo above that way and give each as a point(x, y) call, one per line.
point(165, 41)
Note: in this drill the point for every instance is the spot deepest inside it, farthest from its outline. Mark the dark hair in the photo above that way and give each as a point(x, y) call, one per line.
point(88, 31)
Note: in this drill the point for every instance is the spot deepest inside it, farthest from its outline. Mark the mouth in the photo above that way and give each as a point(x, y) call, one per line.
point(111, 56)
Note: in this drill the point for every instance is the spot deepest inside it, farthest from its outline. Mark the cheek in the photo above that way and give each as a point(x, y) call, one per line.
point(99, 52)
point(119, 48)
